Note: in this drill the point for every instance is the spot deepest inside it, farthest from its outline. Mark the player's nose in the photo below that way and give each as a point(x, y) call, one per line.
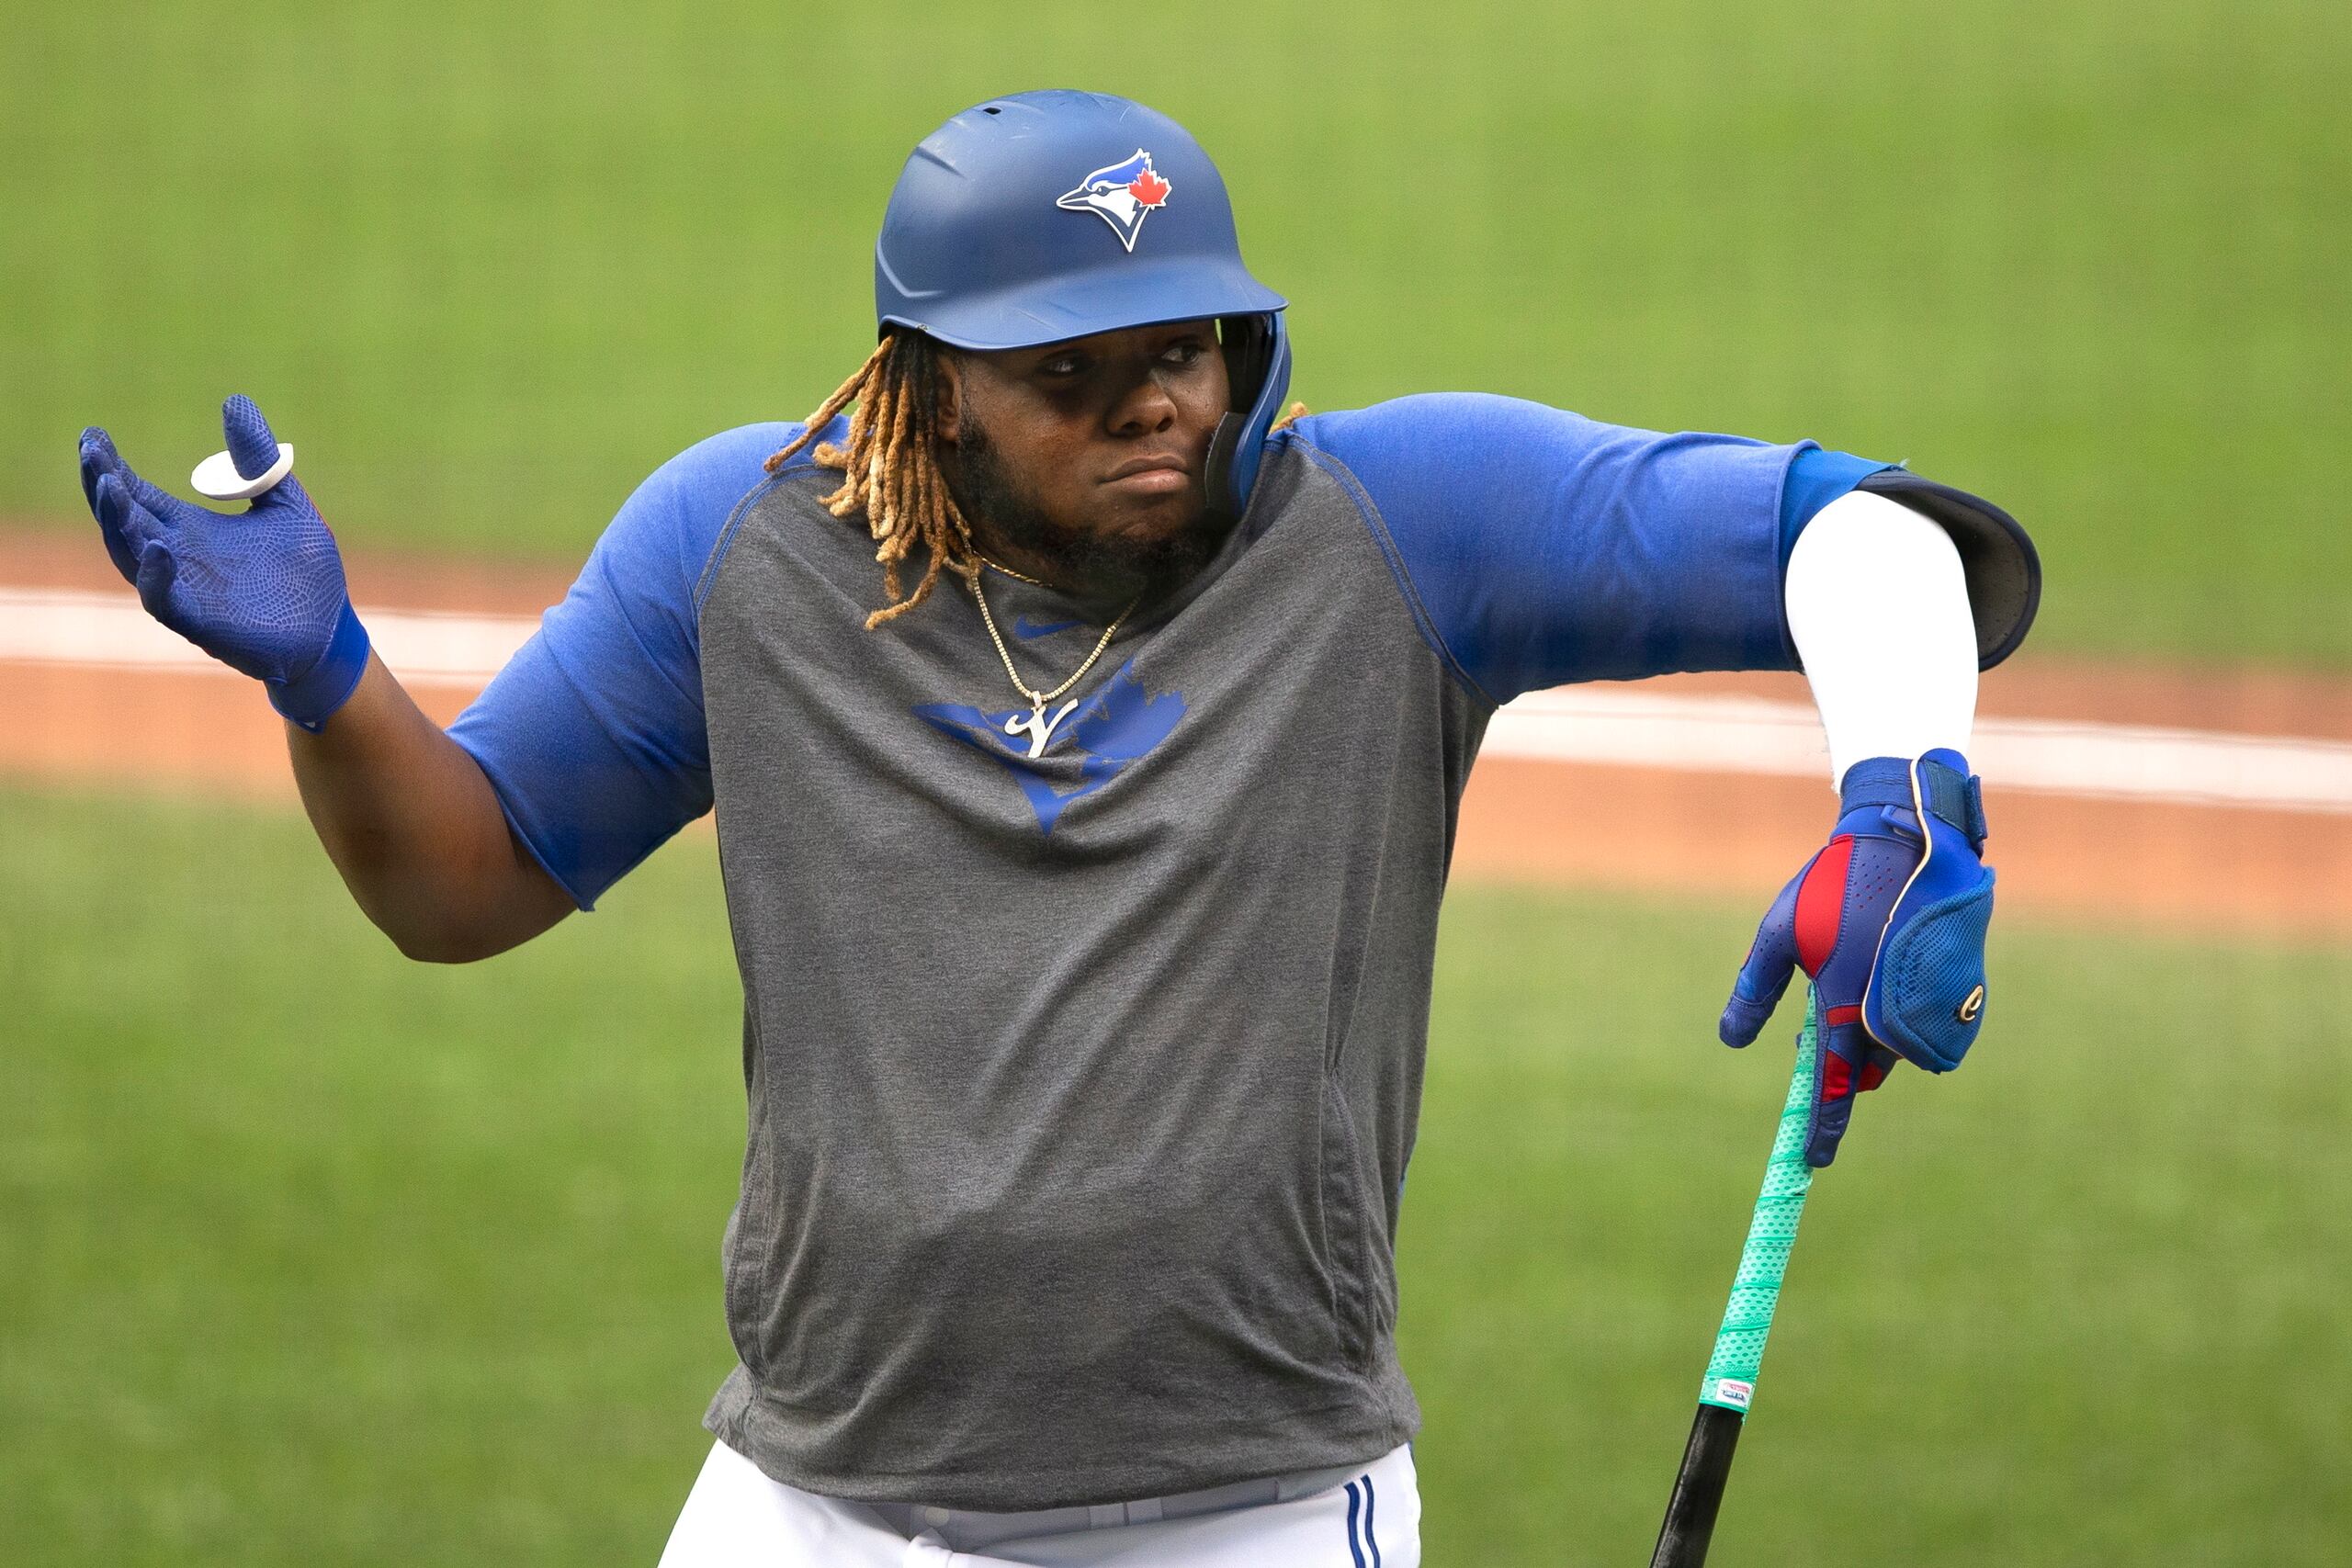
point(1146, 409)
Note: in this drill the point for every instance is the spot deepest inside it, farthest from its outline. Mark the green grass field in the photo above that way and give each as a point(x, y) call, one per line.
point(313, 1256)
point(486, 266)
point(308, 1255)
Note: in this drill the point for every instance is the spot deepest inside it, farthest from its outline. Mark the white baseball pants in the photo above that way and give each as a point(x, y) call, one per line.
point(1368, 1517)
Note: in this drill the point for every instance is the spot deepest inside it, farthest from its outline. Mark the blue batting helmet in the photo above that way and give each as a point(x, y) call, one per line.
point(1044, 216)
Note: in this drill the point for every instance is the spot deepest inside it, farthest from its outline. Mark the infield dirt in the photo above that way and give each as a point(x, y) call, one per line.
point(2107, 862)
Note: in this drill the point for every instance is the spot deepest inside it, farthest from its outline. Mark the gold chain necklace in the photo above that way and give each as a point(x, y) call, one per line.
point(1000, 566)
point(1039, 724)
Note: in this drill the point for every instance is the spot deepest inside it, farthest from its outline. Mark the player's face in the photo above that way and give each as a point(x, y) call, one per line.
point(1082, 461)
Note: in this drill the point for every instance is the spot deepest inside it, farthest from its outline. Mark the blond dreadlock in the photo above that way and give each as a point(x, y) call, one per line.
point(890, 467)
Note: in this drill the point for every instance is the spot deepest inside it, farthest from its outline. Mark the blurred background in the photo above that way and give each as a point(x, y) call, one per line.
point(310, 1254)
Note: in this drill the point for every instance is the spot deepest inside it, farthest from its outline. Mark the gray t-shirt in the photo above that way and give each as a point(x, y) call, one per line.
point(1082, 1086)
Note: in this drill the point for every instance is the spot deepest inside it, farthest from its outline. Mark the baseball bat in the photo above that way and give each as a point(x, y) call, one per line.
point(1729, 1386)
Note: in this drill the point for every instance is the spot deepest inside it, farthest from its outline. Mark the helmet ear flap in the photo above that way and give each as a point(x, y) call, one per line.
point(1248, 342)
point(1257, 366)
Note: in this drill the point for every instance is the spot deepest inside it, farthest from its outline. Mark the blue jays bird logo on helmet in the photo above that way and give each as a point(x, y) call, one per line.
point(1122, 194)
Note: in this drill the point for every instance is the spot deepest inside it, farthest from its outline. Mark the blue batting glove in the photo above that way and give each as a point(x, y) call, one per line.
point(1889, 921)
point(262, 590)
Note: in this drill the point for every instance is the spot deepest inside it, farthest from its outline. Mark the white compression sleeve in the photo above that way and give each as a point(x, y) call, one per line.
point(1878, 607)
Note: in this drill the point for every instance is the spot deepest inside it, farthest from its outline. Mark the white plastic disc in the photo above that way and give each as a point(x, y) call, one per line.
point(217, 479)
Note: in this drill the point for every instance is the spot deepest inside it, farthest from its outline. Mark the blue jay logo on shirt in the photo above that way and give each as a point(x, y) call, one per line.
point(1111, 731)
point(1123, 195)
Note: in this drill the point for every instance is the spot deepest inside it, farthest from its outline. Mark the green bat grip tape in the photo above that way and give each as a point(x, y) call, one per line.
point(1755, 1290)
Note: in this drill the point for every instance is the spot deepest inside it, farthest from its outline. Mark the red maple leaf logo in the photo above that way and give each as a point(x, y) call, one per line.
point(1148, 189)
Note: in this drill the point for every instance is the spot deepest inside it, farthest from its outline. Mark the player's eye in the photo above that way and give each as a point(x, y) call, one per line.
point(1184, 351)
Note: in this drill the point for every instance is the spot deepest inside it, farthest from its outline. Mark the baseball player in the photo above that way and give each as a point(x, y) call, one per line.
point(1085, 743)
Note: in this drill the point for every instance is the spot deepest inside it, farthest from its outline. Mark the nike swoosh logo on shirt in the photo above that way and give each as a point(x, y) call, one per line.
point(1023, 627)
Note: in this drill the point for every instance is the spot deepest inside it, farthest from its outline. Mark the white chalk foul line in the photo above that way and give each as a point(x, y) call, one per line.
point(45, 625)
point(1630, 728)
point(1621, 726)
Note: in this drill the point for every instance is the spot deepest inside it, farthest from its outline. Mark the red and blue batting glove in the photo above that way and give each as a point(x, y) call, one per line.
point(1889, 921)
point(261, 590)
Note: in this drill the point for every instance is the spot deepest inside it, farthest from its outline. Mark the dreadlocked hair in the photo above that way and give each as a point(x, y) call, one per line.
point(890, 467)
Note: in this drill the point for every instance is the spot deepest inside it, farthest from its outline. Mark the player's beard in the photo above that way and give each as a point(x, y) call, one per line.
point(1105, 569)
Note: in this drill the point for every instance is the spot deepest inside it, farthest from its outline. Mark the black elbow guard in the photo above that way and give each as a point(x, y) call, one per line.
point(2003, 569)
